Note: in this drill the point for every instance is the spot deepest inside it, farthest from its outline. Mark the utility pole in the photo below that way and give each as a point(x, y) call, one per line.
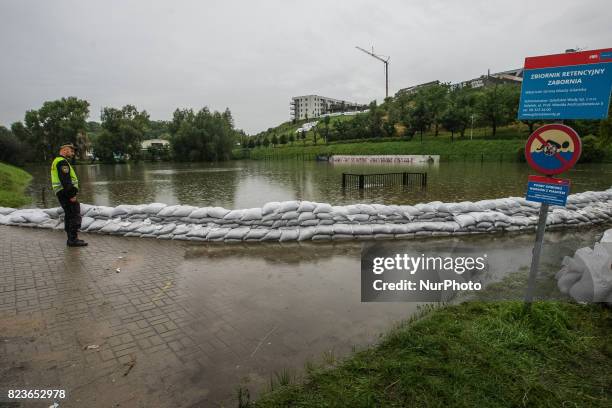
point(385, 61)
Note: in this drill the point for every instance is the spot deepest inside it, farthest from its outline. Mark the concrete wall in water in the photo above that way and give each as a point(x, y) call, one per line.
point(305, 220)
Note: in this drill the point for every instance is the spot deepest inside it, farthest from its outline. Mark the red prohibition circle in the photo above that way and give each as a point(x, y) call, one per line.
point(564, 164)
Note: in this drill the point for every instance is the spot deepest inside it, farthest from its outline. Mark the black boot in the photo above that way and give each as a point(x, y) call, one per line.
point(73, 240)
point(76, 243)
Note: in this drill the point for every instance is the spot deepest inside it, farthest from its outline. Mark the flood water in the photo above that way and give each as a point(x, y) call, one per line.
point(244, 184)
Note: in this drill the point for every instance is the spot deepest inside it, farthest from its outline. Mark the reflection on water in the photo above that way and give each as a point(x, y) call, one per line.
point(242, 184)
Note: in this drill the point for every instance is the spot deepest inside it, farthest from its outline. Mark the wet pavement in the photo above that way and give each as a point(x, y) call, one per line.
point(133, 322)
point(177, 324)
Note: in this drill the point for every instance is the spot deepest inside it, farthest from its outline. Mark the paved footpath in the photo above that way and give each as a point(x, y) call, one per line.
point(131, 322)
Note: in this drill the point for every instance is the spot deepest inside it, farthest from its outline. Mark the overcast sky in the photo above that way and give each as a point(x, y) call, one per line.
point(253, 56)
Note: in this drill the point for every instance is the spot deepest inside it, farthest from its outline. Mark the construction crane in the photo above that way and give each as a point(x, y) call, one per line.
point(385, 61)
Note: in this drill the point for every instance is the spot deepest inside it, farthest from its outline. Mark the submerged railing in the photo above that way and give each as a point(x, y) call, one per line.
point(363, 181)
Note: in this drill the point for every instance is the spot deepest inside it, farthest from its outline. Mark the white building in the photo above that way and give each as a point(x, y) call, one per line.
point(313, 106)
point(159, 143)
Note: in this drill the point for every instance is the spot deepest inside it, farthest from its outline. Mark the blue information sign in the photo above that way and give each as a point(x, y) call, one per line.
point(567, 86)
point(547, 190)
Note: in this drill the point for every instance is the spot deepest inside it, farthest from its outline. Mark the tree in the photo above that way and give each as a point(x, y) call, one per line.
point(283, 139)
point(266, 141)
point(419, 118)
point(122, 134)
point(326, 121)
point(291, 138)
point(201, 136)
point(56, 122)
point(375, 120)
point(12, 150)
point(435, 98)
point(497, 105)
point(274, 139)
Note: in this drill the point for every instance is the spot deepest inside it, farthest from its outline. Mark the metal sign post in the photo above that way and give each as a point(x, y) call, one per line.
point(551, 149)
point(535, 259)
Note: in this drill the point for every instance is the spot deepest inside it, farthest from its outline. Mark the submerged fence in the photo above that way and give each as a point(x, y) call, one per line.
point(362, 181)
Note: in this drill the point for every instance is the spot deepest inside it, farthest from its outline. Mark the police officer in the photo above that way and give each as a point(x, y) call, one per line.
point(66, 186)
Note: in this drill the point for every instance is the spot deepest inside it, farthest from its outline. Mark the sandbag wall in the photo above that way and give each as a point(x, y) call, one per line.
point(587, 276)
point(305, 220)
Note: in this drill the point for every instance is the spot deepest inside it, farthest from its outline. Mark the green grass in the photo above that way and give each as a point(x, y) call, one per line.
point(13, 182)
point(491, 149)
point(475, 354)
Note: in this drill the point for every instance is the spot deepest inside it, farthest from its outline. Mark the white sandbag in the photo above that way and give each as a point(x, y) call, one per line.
point(168, 211)
point(217, 212)
point(96, 225)
point(237, 233)
point(290, 215)
point(358, 217)
point(362, 229)
point(286, 206)
point(270, 208)
point(410, 212)
point(183, 211)
point(111, 227)
point(306, 206)
point(309, 223)
point(146, 229)
point(100, 211)
point(256, 233)
point(181, 229)
point(324, 230)
point(252, 214)
point(322, 208)
point(154, 208)
point(6, 210)
point(306, 233)
point(324, 216)
point(217, 233)
point(289, 234)
point(339, 211)
point(272, 235)
point(35, 216)
point(382, 210)
point(86, 222)
point(381, 229)
point(198, 231)
point(122, 210)
point(166, 229)
point(234, 215)
point(52, 212)
point(49, 224)
point(305, 216)
point(197, 214)
point(465, 220)
point(344, 229)
point(16, 218)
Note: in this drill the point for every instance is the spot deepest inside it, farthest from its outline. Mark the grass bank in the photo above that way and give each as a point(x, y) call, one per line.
point(472, 149)
point(473, 354)
point(13, 182)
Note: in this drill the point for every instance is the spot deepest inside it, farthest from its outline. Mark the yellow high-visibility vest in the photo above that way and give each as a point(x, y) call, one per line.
point(56, 184)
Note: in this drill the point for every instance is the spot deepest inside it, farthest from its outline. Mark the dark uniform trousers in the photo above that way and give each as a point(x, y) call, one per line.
point(72, 216)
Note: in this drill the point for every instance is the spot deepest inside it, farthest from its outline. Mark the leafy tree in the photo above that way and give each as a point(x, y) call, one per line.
point(497, 105)
point(56, 122)
point(122, 134)
point(605, 132)
point(435, 98)
point(283, 139)
point(420, 118)
point(375, 121)
point(291, 138)
point(266, 141)
point(201, 136)
point(12, 150)
point(274, 139)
